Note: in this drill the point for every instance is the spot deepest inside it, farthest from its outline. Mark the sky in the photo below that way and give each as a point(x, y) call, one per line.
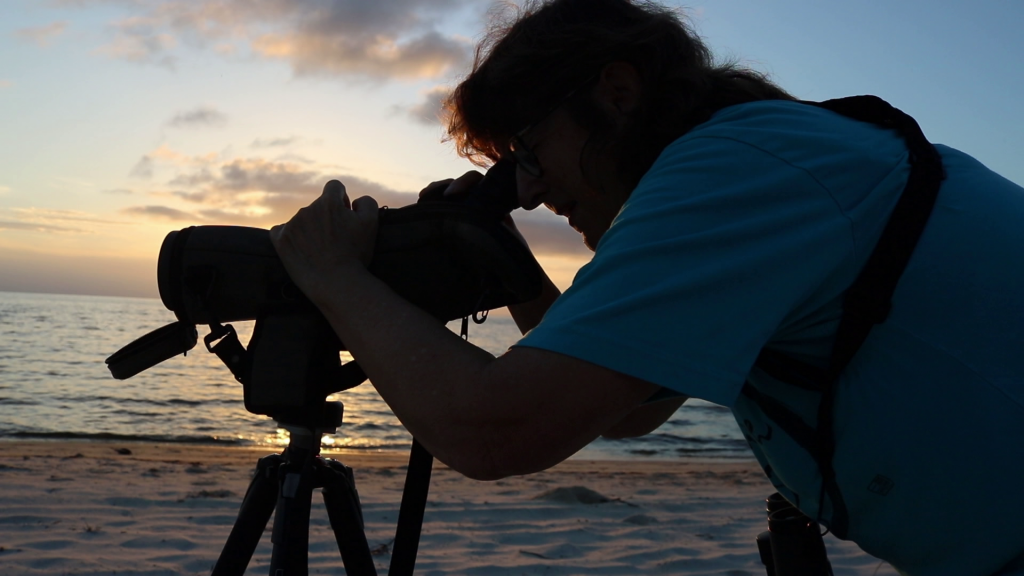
point(122, 120)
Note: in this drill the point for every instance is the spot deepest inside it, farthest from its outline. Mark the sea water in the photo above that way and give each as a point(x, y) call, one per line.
point(55, 385)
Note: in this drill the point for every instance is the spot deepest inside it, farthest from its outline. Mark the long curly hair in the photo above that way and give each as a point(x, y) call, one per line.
point(533, 56)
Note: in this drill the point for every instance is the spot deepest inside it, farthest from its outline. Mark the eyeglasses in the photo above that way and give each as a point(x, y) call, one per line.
point(521, 152)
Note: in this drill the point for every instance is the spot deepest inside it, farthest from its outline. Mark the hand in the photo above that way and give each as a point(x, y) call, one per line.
point(451, 187)
point(329, 235)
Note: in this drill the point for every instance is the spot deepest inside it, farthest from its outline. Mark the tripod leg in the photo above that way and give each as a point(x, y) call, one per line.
point(291, 517)
point(257, 506)
point(410, 515)
point(346, 516)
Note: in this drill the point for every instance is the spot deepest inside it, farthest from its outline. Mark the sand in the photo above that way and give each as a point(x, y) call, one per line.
point(154, 510)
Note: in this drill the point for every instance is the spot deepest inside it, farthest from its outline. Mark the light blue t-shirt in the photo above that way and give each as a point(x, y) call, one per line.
point(744, 235)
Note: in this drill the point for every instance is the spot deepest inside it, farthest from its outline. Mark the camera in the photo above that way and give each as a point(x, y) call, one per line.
point(452, 258)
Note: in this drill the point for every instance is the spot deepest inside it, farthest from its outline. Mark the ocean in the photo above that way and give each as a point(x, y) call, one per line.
point(54, 385)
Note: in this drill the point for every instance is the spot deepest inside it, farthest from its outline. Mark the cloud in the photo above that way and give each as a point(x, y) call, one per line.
point(118, 191)
point(426, 56)
point(261, 192)
point(141, 40)
point(251, 191)
point(198, 117)
point(4, 190)
point(42, 36)
point(429, 110)
point(192, 180)
point(146, 166)
point(36, 227)
point(393, 39)
point(48, 216)
point(165, 154)
point(6, 84)
point(160, 213)
point(51, 221)
point(274, 142)
point(143, 168)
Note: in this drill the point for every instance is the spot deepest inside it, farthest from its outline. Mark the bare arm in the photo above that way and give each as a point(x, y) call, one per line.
point(486, 417)
point(528, 314)
point(644, 419)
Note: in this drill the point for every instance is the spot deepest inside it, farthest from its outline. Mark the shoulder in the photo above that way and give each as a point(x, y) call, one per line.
point(830, 147)
point(766, 121)
point(762, 155)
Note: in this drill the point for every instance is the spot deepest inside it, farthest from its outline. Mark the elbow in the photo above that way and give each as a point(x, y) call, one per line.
point(493, 456)
point(630, 429)
point(621, 435)
point(485, 465)
point(483, 473)
point(478, 467)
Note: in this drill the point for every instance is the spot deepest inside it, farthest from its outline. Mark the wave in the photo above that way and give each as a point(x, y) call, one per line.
point(111, 437)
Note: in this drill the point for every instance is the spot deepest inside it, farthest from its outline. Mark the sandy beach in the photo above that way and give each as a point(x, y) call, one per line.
point(155, 510)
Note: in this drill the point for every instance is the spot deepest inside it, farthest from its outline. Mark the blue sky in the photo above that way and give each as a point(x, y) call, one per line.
point(121, 120)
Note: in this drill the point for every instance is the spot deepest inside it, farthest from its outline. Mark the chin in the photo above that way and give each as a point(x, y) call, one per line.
point(591, 241)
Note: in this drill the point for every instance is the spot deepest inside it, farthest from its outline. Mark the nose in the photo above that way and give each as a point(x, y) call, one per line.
point(529, 189)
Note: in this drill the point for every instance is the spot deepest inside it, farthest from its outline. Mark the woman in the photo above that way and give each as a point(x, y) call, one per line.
point(727, 219)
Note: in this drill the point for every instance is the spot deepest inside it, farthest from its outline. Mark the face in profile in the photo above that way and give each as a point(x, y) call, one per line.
point(557, 143)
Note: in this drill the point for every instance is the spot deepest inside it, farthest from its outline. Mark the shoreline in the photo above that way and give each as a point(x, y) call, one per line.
point(338, 453)
point(166, 510)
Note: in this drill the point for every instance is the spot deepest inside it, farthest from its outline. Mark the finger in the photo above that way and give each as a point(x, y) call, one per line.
point(435, 190)
point(463, 184)
point(334, 189)
point(365, 204)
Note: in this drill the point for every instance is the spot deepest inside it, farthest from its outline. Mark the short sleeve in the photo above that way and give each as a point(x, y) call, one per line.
point(719, 242)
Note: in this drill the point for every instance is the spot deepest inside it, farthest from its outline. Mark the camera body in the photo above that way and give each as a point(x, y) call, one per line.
point(452, 258)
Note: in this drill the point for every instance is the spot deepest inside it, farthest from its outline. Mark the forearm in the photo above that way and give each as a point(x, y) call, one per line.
point(529, 314)
point(428, 375)
point(486, 417)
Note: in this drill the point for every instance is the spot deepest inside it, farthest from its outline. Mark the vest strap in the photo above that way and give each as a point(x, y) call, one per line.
point(867, 301)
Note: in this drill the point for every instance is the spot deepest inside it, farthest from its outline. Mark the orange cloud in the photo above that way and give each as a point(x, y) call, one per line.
point(427, 56)
point(247, 191)
point(256, 191)
point(394, 39)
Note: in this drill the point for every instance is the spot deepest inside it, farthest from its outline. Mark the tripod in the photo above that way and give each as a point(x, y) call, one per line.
point(284, 484)
point(792, 546)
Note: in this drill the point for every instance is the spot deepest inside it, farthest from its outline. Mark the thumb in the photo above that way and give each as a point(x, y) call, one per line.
point(335, 188)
